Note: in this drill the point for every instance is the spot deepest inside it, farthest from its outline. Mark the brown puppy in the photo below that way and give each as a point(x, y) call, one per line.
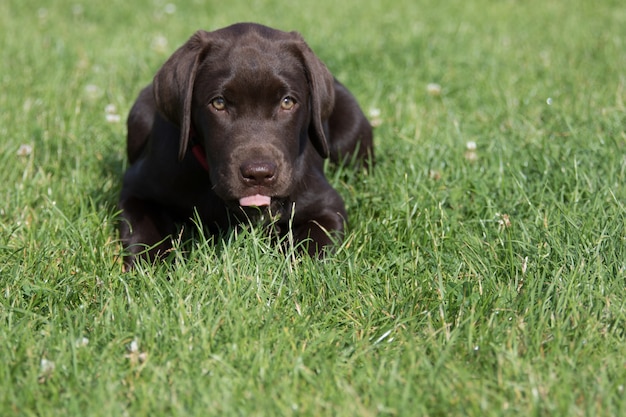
point(236, 123)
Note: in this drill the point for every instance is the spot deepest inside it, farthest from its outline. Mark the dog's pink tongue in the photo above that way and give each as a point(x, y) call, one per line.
point(257, 200)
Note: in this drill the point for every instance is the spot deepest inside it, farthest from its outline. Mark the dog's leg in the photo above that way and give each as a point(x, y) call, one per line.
point(317, 235)
point(145, 230)
point(349, 130)
point(318, 223)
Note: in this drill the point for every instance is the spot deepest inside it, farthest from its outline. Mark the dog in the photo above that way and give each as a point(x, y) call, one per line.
point(236, 125)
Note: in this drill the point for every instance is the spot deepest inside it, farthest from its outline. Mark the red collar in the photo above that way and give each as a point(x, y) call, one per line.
point(198, 150)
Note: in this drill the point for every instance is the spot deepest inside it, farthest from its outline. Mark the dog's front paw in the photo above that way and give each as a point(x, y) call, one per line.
point(318, 236)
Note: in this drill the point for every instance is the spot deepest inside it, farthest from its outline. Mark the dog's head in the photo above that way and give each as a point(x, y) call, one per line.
point(254, 97)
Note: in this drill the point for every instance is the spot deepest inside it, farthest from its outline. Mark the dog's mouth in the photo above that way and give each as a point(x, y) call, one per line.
point(257, 200)
point(259, 207)
point(259, 203)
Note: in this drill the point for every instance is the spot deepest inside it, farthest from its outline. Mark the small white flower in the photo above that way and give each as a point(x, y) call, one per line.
point(470, 153)
point(434, 175)
point(113, 118)
point(504, 221)
point(134, 346)
point(549, 101)
point(46, 366)
point(374, 116)
point(24, 150)
point(92, 91)
point(159, 43)
point(134, 355)
point(170, 8)
point(82, 342)
point(111, 114)
point(28, 104)
point(433, 89)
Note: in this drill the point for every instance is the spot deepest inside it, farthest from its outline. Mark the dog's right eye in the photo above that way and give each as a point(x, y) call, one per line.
point(287, 103)
point(218, 103)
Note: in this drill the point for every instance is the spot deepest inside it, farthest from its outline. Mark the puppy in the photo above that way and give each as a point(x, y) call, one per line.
point(236, 124)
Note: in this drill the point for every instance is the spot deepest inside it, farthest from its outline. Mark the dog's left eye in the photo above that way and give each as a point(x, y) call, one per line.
point(218, 103)
point(287, 103)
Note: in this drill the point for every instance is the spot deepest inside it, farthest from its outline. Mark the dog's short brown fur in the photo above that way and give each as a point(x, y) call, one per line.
point(237, 122)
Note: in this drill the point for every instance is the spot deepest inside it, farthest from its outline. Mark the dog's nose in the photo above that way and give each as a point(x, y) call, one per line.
point(258, 173)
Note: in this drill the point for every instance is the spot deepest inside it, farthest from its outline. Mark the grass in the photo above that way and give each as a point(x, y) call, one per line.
point(482, 282)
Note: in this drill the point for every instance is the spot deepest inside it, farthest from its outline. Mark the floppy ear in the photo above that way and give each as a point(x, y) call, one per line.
point(173, 84)
point(322, 97)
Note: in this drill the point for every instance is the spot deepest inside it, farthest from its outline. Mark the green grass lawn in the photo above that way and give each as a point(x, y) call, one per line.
point(483, 273)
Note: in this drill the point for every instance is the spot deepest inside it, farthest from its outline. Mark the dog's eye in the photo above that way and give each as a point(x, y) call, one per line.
point(218, 103)
point(287, 103)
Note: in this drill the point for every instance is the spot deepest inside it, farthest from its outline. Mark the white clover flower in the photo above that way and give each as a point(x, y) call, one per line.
point(159, 44)
point(46, 366)
point(433, 89)
point(113, 118)
point(374, 116)
point(134, 355)
point(81, 342)
point(134, 346)
point(504, 221)
point(470, 151)
point(111, 114)
point(434, 175)
point(92, 91)
point(25, 150)
point(170, 8)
